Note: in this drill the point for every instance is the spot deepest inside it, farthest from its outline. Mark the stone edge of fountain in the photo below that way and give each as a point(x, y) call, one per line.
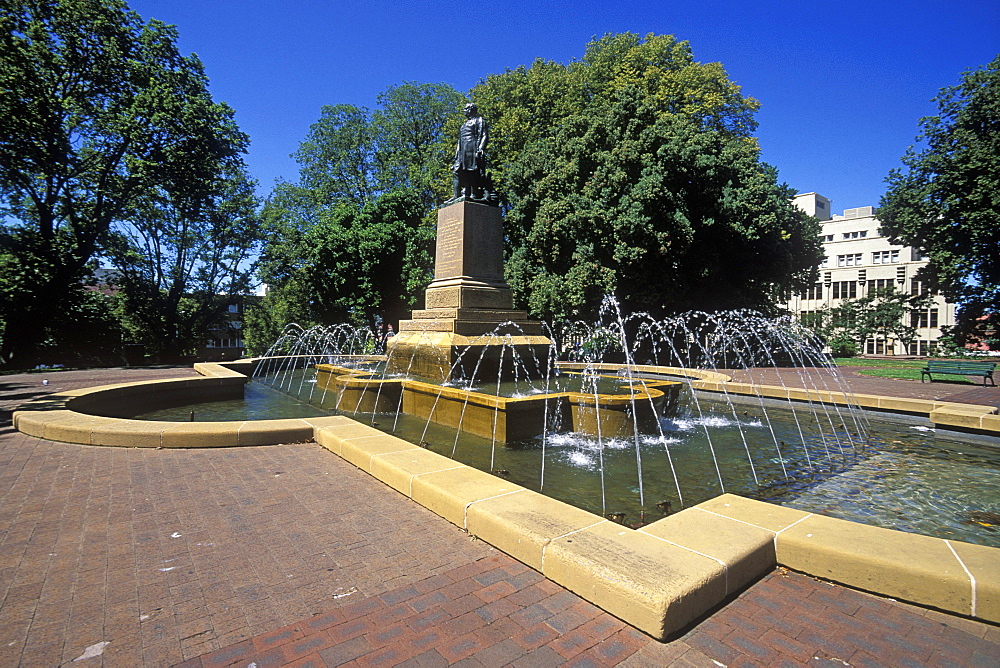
point(660, 578)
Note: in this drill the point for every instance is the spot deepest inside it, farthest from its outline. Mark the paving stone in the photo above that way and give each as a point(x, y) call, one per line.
point(268, 536)
point(345, 651)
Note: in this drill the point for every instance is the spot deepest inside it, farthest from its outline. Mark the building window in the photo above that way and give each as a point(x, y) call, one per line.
point(825, 263)
point(225, 343)
point(918, 287)
point(845, 289)
point(885, 257)
point(826, 237)
point(811, 318)
point(855, 235)
point(880, 284)
point(849, 260)
point(815, 292)
point(923, 348)
point(875, 347)
point(924, 319)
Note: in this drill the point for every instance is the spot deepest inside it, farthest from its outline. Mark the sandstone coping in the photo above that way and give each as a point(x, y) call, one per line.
point(92, 416)
point(703, 375)
point(667, 574)
point(660, 578)
point(969, 417)
point(949, 575)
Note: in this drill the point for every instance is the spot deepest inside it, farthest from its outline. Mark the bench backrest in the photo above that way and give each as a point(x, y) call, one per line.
point(960, 365)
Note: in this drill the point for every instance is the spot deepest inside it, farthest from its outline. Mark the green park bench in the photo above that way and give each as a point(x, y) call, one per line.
point(959, 368)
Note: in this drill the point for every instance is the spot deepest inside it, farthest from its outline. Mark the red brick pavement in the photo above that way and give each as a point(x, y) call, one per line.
point(786, 619)
point(287, 555)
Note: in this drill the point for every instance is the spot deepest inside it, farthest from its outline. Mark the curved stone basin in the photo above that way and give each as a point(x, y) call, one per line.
point(498, 418)
point(660, 578)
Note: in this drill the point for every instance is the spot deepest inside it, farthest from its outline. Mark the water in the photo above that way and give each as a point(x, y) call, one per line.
point(909, 479)
point(259, 402)
point(642, 459)
point(916, 483)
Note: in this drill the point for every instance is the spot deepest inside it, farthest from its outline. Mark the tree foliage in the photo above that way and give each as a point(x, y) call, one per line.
point(633, 171)
point(176, 265)
point(882, 314)
point(98, 113)
point(353, 265)
point(355, 154)
point(945, 200)
point(352, 239)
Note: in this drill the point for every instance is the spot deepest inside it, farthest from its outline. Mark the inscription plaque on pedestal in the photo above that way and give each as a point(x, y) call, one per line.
point(468, 267)
point(470, 243)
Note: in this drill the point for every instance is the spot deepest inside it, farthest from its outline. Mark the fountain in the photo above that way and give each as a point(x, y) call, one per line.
point(476, 380)
point(585, 405)
point(449, 363)
point(491, 382)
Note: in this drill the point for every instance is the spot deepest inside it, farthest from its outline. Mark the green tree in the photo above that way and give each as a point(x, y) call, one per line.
point(352, 239)
point(945, 200)
point(98, 112)
point(86, 330)
point(416, 125)
point(355, 154)
point(337, 159)
point(882, 314)
point(362, 266)
point(365, 265)
point(633, 171)
point(178, 267)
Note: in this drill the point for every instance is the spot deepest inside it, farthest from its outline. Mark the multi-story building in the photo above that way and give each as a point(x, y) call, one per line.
point(226, 342)
point(859, 260)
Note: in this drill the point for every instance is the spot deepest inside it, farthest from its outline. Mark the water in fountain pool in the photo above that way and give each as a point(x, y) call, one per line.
point(819, 457)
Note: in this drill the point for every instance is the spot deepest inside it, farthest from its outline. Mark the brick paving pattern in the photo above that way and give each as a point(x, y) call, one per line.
point(287, 555)
point(496, 612)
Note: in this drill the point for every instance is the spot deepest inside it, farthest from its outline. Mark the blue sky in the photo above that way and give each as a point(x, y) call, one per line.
point(842, 85)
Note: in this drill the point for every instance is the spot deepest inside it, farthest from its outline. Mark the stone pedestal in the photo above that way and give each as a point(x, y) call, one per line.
point(469, 320)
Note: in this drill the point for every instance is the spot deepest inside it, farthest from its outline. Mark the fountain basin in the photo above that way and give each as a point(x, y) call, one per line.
point(90, 416)
point(501, 419)
point(664, 576)
point(660, 578)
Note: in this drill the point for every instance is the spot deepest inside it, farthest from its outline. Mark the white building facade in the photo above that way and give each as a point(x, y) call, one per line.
point(858, 260)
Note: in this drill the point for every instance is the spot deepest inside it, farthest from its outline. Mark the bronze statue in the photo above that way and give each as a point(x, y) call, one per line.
point(469, 167)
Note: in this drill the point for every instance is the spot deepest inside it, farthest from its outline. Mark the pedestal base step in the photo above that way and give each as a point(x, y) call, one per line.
point(472, 327)
point(472, 314)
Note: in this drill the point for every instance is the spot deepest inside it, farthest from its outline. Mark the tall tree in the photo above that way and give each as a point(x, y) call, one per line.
point(337, 158)
point(98, 112)
point(351, 240)
point(364, 265)
point(633, 171)
point(945, 201)
point(415, 125)
point(356, 154)
point(882, 314)
point(178, 267)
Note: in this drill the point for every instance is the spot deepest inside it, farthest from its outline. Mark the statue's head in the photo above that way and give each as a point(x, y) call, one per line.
point(471, 111)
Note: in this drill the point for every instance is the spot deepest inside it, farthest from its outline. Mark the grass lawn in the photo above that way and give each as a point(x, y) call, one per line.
point(895, 364)
point(897, 369)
